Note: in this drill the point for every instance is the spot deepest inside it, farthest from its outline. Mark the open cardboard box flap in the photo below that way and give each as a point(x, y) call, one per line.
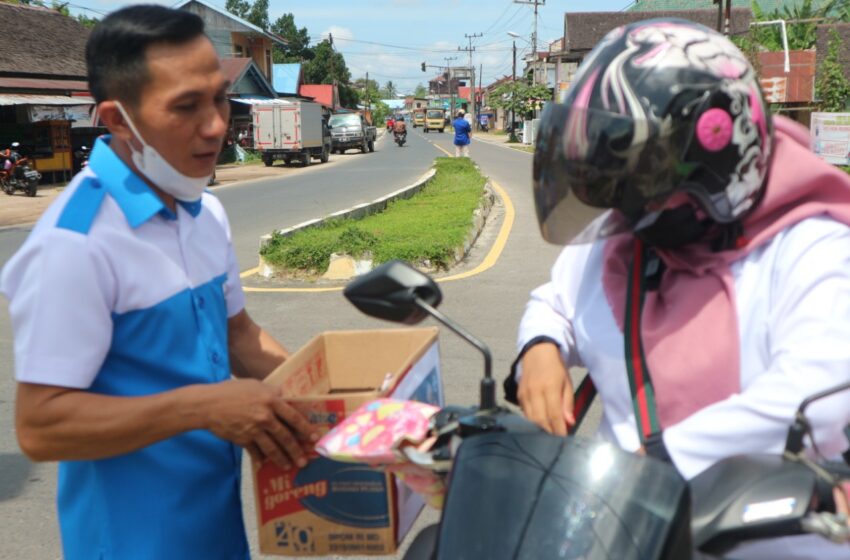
point(351, 362)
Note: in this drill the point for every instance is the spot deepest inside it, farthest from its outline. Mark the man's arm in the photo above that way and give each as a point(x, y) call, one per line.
point(61, 424)
point(254, 353)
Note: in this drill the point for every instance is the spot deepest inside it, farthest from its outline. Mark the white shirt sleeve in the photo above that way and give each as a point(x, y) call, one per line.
point(551, 308)
point(61, 294)
point(808, 350)
point(233, 294)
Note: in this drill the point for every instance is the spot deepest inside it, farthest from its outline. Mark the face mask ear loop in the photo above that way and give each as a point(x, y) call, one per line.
point(131, 125)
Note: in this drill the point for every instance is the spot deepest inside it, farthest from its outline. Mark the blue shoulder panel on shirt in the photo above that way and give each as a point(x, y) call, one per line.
point(80, 211)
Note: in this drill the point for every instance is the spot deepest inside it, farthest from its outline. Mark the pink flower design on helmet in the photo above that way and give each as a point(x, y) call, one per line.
point(714, 129)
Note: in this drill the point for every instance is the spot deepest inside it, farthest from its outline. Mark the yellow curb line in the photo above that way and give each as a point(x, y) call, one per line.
point(488, 262)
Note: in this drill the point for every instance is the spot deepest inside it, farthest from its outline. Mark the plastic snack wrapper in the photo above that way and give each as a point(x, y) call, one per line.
point(392, 435)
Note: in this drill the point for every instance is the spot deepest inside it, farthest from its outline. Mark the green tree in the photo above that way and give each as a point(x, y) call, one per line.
point(380, 112)
point(239, 8)
point(832, 87)
point(327, 66)
point(389, 91)
point(420, 91)
point(298, 40)
point(801, 36)
point(520, 97)
point(87, 21)
point(259, 14)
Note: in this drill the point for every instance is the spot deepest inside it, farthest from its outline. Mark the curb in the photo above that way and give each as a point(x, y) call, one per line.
point(360, 211)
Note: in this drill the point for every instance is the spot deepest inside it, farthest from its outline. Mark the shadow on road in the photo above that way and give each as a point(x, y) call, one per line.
point(16, 469)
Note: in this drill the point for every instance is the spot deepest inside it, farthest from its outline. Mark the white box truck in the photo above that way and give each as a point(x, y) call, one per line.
point(290, 130)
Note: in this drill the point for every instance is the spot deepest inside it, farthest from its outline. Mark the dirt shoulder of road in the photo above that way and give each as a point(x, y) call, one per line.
point(19, 209)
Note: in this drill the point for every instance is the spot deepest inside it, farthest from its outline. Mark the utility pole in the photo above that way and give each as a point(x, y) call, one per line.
point(481, 87)
point(368, 97)
point(448, 60)
point(470, 50)
point(534, 3)
point(513, 137)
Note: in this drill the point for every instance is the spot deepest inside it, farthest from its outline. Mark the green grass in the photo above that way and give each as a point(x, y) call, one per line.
point(428, 226)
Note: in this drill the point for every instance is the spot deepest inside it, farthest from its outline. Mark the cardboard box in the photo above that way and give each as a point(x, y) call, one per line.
point(338, 508)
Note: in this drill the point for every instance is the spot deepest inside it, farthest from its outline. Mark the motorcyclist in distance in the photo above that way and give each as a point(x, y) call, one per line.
point(400, 128)
point(709, 292)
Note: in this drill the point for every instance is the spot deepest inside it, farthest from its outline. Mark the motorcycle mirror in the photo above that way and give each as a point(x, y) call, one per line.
point(395, 291)
point(390, 292)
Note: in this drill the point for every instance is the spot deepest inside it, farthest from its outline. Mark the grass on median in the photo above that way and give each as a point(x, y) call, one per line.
point(429, 226)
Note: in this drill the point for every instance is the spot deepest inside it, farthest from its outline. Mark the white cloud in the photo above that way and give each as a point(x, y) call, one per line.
point(338, 32)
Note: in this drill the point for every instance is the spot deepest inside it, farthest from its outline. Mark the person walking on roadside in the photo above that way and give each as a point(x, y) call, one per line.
point(463, 135)
point(129, 316)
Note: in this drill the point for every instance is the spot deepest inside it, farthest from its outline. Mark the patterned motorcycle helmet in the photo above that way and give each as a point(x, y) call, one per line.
point(658, 107)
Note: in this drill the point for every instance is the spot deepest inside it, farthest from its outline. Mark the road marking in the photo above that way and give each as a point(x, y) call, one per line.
point(249, 272)
point(501, 239)
point(488, 262)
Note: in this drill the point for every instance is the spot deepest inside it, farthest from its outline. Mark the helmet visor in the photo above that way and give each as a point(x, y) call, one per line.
point(584, 158)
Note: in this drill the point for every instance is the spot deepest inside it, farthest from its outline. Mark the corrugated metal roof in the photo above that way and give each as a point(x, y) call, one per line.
point(248, 24)
point(286, 78)
point(38, 41)
point(260, 101)
point(767, 6)
point(27, 99)
point(35, 83)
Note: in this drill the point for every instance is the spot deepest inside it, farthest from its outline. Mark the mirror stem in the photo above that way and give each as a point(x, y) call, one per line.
point(488, 386)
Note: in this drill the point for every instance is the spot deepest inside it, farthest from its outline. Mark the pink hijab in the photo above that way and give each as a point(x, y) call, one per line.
point(689, 325)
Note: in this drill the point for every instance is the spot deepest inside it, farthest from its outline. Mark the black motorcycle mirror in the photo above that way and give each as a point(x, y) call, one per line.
point(395, 291)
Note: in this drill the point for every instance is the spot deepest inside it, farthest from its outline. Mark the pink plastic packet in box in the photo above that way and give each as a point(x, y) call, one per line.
point(379, 433)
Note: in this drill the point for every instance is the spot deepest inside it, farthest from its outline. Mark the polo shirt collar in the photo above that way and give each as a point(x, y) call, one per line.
point(136, 199)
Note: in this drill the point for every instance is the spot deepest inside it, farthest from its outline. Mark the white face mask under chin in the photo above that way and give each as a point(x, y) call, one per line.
point(161, 173)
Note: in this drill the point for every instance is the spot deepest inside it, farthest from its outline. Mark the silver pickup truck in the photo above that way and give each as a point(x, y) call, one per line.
point(350, 130)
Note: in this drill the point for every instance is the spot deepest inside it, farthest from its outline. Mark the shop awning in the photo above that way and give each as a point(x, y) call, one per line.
point(35, 99)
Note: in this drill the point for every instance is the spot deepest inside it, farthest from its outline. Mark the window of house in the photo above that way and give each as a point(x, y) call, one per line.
point(239, 52)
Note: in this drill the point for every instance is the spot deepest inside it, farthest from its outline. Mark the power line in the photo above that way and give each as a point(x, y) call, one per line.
point(492, 25)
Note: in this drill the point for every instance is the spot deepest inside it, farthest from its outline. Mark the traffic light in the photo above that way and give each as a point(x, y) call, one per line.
point(423, 66)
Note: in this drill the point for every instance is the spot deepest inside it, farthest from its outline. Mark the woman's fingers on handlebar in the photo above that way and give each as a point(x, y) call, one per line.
point(545, 389)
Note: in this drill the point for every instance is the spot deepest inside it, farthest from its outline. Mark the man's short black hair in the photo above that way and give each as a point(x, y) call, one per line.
point(117, 47)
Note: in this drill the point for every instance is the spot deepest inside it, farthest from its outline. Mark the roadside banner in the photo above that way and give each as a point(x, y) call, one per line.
point(830, 137)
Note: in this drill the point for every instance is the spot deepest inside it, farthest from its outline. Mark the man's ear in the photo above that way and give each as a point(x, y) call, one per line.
point(115, 121)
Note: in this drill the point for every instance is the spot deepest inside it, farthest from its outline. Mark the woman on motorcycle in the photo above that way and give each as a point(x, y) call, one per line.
point(713, 294)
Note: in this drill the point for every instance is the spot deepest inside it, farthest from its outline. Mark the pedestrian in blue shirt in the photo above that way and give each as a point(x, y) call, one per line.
point(463, 135)
point(129, 316)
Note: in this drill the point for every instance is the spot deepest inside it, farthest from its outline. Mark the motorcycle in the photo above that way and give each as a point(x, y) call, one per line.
point(514, 491)
point(400, 138)
point(81, 158)
point(17, 174)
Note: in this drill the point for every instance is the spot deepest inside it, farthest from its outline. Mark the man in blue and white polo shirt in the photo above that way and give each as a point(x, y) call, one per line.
point(129, 315)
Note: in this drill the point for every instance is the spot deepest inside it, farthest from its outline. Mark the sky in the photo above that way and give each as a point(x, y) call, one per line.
point(414, 31)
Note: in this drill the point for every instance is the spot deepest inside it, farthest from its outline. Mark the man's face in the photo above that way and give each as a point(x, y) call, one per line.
point(183, 111)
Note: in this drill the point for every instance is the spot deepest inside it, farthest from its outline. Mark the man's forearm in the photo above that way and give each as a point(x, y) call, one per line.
point(58, 424)
point(254, 353)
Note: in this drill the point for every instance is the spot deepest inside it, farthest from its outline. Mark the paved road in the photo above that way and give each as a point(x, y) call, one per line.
point(256, 207)
point(488, 304)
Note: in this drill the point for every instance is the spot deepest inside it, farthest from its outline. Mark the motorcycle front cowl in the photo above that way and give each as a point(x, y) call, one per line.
point(527, 495)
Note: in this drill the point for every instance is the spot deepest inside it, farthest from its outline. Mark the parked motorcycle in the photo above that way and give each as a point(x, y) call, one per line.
point(17, 173)
point(400, 138)
point(514, 491)
point(81, 158)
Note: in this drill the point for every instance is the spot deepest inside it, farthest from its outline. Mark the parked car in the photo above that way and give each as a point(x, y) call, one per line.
point(350, 130)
